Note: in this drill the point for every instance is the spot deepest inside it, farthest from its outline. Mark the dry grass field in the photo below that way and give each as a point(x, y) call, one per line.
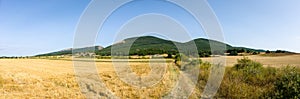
point(37, 78)
point(43, 78)
point(272, 61)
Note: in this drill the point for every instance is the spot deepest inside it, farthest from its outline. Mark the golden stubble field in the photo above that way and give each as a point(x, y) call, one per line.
point(43, 78)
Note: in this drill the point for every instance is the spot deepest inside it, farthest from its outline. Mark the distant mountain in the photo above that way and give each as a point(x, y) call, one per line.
point(69, 51)
point(142, 46)
point(149, 45)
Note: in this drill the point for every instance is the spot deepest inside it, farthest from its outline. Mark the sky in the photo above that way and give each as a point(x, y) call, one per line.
point(30, 27)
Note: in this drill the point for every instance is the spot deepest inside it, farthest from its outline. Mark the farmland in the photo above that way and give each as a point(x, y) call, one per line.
point(44, 78)
point(272, 61)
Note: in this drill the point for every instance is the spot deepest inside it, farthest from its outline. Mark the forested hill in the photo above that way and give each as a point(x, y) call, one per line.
point(149, 45)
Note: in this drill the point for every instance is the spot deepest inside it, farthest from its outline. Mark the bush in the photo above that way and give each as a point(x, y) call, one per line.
point(184, 62)
point(180, 58)
point(248, 79)
point(169, 56)
point(255, 53)
point(288, 85)
point(268, 52)
point(238, 84)
point(247, 64)
point(233, 53)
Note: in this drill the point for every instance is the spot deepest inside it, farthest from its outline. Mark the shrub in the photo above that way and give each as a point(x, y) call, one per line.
point(184, 62)
point(205, 66)
point(253, 72)
point(169, 56)
point(255, 53)
point(248, 79)
point(288, 85)
point(233, 53)
point(247, 64)
point(238, 84)
point(180, 58)
point(191, 64)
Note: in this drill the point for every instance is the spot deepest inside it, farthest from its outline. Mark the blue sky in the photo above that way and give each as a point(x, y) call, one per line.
point(29, 27)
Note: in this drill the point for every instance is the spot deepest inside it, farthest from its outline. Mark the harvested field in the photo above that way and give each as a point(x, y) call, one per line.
point(43, 78)
point(272, 61)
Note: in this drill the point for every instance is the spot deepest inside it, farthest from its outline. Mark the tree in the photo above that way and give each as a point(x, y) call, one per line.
point(180, 58)
point(233, 53)
point(268, 52)
point(255, 53)
point(169, 56)
point(279, 51)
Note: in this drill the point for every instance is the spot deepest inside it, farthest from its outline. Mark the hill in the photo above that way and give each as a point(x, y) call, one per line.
point(69, 51)
point(150, 45)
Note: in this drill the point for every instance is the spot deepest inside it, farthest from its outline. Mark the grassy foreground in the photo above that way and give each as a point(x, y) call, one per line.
point(249, 79)
point(41, 78)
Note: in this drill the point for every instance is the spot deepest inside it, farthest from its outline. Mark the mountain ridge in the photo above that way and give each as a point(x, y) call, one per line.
point(150, 45)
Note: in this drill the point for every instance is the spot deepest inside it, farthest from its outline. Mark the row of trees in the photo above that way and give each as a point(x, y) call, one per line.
point(14, 57)
point(277, 51)
point(234, 52)
point(201, 53)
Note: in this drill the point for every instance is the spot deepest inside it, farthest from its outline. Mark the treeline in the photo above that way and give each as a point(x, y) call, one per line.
point(234, 52)
point(15, 57)
point(277, 51)
point(68, 52)
point(154, 51)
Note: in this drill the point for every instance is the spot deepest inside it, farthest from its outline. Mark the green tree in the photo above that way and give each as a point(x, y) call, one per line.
point(169, 56)
point(268, 52)
point(233, 53)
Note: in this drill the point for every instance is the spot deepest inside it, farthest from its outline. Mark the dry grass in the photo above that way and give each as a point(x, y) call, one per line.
point(125, 90)
point(41, 78)
point(26, 78)
point(272, 61)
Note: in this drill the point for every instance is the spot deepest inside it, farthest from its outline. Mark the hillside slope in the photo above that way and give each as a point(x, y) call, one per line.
point(150, 45)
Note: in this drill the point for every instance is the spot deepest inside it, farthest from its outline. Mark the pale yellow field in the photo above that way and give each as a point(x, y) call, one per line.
point(273, 61)
point(37, 78)
point(43, 78)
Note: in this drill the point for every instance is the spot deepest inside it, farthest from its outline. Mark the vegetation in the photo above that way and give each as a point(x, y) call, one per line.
point(247, 64)
point(245, 79)
point(69, 51)
point(233, 53)
point(249, 79)
point(287, 85)
point(149, 45)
